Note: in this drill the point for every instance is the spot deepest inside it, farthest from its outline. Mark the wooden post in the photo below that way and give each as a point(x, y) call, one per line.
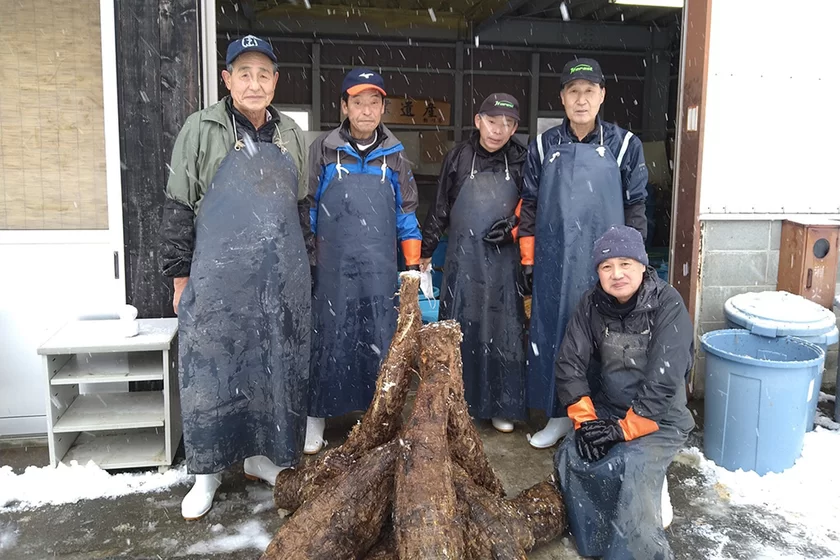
point(158, 86)
point(685, 233)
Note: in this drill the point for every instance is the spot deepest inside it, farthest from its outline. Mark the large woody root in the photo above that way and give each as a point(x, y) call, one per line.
point(465, 445)
point(381, 421)
point(346, 521)
point(427, 492)
point(425, 504)
point(502, 529)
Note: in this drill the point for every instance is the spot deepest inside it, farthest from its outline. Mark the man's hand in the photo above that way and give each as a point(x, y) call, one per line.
point(588, 452)
point(501, 232)
point(602, 432)
point(527, 279)
point(425, 264)
point(179, 284)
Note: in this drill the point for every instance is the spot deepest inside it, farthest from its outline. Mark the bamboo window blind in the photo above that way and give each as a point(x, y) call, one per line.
point(52, 144)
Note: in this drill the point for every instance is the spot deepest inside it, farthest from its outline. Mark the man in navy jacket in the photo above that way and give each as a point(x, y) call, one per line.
point(580, 178)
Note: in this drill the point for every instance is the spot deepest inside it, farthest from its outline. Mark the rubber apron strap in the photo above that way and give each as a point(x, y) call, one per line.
point(473, 171)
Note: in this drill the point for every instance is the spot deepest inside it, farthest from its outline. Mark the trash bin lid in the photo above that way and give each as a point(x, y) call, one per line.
point(781, 314)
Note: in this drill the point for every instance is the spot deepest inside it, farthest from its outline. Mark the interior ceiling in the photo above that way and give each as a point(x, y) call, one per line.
point(480, 12)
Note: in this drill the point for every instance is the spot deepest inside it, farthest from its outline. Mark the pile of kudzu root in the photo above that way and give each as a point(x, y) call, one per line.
point(416, 490)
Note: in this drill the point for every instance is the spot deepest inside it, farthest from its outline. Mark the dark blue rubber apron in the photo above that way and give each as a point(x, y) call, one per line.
point(244, 317)
point(354, 316)
point(580, 197)
point(480, 291)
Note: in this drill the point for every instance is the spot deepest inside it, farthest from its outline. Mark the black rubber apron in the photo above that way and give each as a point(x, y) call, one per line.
point(614, 505)
point(480, 291)
point(355, 283)
point(579, 199)
point(244, 317)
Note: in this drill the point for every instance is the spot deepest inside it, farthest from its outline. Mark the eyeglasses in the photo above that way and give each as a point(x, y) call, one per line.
point(503, 123)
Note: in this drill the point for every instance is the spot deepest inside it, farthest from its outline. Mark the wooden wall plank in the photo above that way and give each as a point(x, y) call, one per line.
point(158, 82)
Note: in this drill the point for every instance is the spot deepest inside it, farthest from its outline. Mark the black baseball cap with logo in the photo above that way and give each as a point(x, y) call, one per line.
point(500, 105)
point(582, 69)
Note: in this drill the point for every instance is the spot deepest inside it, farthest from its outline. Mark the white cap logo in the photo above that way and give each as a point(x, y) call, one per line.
point(366, 75)
point(249, 41)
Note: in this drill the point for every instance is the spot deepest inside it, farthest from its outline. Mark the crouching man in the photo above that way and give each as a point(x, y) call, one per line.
point(621, 374)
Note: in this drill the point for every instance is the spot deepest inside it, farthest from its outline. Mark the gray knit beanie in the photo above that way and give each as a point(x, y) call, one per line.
point(620, 241)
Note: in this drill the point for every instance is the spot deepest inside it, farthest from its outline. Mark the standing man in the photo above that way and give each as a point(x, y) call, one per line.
point(233, 242)
point(363, 200)
point(621, 372)
point(581, 177)
point(477, 200)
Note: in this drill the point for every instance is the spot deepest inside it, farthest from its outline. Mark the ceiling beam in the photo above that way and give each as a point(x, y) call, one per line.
point(572, 34)
point(588, 8)
point(369, 24)
point(607, 12)
point(511, 7)
point(538, 7)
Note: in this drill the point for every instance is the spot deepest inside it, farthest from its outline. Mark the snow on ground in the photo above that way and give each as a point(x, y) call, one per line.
point(8, 536)
point(250, 534)
point(39, 486)
point(262, 497)
point(806, 495)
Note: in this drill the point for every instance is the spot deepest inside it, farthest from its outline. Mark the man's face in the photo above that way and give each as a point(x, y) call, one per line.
point(364, 111)
point(621, 277)
point(494, 132)
point(252, 82)
point(582, 100)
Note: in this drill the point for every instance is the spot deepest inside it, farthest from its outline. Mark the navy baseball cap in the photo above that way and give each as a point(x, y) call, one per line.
point(582, 69)
point(249, 43)
point(359, 79)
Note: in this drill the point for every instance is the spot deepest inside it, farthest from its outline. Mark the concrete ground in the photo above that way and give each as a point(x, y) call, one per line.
point(149, 526)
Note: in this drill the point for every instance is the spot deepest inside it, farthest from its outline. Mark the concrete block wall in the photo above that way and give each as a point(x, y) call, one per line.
point(739, 257)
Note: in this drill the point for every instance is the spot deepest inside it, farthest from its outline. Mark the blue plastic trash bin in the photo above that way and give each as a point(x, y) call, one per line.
point(430, 308)
point(783, 314)
point(757, 391)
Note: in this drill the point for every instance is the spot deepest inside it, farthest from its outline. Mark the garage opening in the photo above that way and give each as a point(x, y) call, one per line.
point(441, 58)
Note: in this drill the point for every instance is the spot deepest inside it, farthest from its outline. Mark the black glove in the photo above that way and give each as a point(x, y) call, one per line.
point(415, 267)
point(501, 233)
point(527, 279)
point(602, 432)
point(588, 452)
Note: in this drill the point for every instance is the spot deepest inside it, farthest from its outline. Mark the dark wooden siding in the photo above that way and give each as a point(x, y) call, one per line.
point(158, 87)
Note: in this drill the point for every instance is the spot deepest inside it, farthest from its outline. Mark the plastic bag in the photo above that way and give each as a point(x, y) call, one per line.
point(426, 285)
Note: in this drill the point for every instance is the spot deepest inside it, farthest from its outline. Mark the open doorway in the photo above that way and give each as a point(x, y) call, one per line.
point(453, 54)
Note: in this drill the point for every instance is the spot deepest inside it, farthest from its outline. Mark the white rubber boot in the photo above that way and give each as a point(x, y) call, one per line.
point(551, 434)
point(667, 508)
point(199, 500)
point(314, 435)
point(260, 467)
point(503, 425)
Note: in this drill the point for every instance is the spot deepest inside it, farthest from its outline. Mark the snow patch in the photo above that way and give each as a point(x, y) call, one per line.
point(792, 494)
point(8, 536)
point(66, 484)
point(248, 535)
